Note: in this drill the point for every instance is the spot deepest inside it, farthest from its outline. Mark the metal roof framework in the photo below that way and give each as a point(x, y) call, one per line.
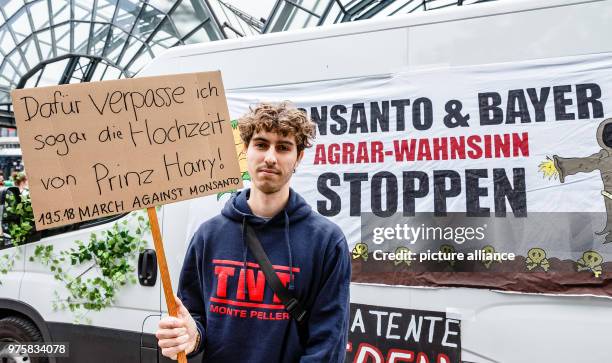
point(45, 42)
point(49, 42)
point(296, 14)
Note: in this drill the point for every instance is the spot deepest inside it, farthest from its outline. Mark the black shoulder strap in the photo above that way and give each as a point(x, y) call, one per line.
point(292, 305)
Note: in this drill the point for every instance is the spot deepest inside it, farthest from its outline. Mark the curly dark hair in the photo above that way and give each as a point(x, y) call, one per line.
point(281, 118)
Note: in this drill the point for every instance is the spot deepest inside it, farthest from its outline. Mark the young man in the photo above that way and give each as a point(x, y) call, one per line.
point(227, 309)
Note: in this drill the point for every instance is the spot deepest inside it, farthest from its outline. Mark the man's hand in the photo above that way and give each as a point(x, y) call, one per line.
point(177, 334)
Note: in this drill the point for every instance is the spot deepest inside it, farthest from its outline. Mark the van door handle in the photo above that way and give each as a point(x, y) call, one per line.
point(147, 268)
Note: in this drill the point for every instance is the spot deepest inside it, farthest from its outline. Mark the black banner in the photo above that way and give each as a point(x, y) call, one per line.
point(380, 334)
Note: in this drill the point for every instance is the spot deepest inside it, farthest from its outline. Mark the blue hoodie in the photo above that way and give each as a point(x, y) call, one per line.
point(238, 316)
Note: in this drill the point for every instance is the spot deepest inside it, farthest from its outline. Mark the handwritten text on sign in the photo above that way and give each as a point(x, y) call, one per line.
point(98, 149)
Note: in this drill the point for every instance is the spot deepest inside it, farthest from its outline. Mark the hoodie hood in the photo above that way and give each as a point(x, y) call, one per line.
point(237, 209)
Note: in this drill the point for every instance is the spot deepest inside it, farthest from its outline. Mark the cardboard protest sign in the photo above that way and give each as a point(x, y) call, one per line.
point(104, 148)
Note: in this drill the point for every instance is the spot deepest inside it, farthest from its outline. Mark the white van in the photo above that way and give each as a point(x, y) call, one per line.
point(443, 50)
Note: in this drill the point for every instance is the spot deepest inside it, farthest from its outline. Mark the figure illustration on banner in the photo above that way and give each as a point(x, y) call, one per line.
point(601, 160)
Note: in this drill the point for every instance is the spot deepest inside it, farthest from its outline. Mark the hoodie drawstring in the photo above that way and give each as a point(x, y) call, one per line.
point(244, 255)
point(291, 286)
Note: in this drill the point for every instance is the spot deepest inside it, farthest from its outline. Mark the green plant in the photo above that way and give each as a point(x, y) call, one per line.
point(110, 257)
point(7, 261)
point(19, 219)
point(21, 216)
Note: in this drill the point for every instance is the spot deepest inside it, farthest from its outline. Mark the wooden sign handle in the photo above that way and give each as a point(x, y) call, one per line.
point(163, 269)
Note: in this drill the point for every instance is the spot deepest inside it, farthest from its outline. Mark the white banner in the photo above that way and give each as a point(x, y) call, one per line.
point(514, 144)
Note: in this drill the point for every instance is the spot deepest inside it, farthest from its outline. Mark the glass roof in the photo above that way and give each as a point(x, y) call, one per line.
point(44, 42)
point(296, 14)
point(49, 42)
